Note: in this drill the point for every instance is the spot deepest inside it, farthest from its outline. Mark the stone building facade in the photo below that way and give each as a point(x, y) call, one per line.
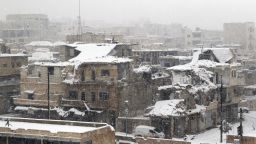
point(10, 77)
point(49, 132)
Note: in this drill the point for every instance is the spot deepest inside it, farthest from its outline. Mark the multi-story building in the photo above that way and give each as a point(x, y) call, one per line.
point(37, 131)
point(88, 81)
point(22, 28)
point(242, 34)
point(10, 76)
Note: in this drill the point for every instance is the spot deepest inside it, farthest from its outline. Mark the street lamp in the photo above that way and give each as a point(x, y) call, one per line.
point(126, 114)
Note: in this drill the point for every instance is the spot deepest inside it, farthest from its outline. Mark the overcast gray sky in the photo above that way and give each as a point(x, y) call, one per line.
point(203, 13)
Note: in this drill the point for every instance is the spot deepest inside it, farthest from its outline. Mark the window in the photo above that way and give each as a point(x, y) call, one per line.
point(83, 96)
point(167, 65)
point(93, 75)
point(233, 73)
point(30, 96)
point(105, 73)
point(82, 76)
point(104, 96)
point(18, 64)
point(93, 96)
point(51, 70)
point(72, 94)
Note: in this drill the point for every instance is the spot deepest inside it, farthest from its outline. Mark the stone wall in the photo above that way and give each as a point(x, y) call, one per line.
point(10, 65)
point(243, 140)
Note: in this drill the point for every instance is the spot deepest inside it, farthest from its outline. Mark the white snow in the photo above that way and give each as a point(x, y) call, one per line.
point(167, 108)
point(40, 43)
point(107, 59)
point(42, 56)
point(76, 112)
point(183, 57)
point(222, 54)
point(53, 128)
point(212, 136)
point(89, 51)
point(13, 55)
point(59, 43)
point(57, 64)
point(144, 68)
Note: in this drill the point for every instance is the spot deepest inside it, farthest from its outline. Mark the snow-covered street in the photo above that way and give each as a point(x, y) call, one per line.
point(212, 136)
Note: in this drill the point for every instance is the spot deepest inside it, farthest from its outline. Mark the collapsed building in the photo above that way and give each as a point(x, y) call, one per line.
point(196, 88)
point(89, 86)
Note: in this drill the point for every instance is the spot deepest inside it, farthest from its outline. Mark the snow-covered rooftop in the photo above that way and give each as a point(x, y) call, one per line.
point(40, 43)
point(42, 56)
point(59, 43)
point(222, 54)
point(51, 126)
point(57, 64)
point(196, 63)
point(89, 51)
point(107, 59)
point(13, 55)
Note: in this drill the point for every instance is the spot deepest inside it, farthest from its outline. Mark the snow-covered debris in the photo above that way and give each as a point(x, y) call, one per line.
point(76, 112)
point(142, 69)
point(167, 108)
point(160, 75)
point(40, 43)
point(70, 79)
point(174, 107)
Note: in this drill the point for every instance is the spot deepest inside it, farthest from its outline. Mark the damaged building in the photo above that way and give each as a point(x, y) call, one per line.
point(10, 77)
point(198, 84)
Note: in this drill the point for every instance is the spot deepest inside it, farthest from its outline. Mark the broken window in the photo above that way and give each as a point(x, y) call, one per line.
point(18, 64)
point(105, 73)
point(93, 75)
point(167, 65)
point(82, 76)
point(51, 70)
point(72, 94)
point(104, 96)
point(93, 96)
point(31, 96)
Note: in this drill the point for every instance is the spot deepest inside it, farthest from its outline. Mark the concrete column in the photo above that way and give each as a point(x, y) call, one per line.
point(7, 140)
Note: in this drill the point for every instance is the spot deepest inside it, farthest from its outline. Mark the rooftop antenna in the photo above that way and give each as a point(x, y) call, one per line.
point(79, 31)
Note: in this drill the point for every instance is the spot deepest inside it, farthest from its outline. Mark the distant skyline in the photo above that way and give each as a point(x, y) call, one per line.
point(209, 14)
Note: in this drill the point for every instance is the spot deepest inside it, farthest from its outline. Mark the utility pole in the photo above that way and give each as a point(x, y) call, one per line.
point(221, 109)
point(126, 115)
point(79, 31)
point(48, 93)
point(240, 128)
